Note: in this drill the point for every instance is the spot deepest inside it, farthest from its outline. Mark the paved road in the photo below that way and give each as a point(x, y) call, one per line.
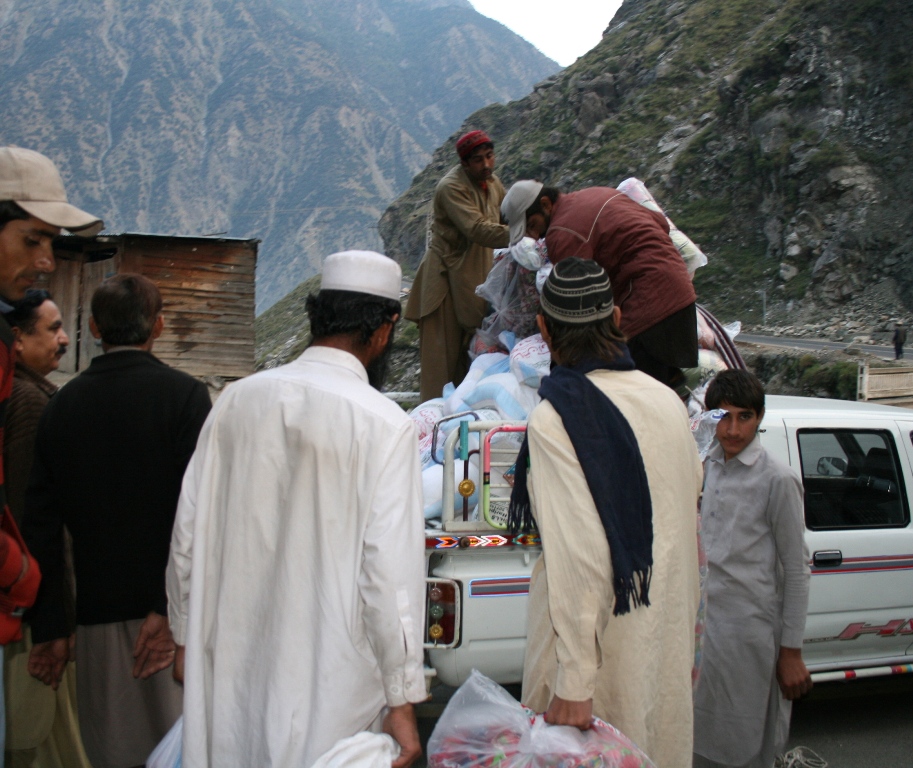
point(883, 351)
point(863, 724)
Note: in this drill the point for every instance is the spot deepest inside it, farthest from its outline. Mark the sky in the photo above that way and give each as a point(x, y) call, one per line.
point(562, 29)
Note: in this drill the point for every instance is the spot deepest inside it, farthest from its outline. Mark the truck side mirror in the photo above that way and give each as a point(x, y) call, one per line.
point(831, 466)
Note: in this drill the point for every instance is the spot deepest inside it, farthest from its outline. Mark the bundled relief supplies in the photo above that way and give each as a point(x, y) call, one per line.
point(484, 726)
point(489, 364)
point(530, 360)
point(512, 289)
point(693, 256)
point(433, 488)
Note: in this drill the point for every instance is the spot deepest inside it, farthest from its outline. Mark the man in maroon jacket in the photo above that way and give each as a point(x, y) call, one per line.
point(650, 282)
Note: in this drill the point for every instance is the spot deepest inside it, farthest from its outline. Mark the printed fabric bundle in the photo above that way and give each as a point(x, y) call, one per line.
point(483, 726)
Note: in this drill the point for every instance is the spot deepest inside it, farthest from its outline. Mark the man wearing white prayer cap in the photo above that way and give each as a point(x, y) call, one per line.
point(295, 582)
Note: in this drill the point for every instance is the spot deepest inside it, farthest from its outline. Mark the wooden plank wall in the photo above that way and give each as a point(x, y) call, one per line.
point(208, 293)
point(63, 284)
point(93, 275)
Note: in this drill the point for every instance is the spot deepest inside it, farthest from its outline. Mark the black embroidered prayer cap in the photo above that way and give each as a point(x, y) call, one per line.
point(577, 291)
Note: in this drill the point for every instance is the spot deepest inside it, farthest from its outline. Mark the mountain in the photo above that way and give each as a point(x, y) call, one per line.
point(293, 121)
point(776, 133)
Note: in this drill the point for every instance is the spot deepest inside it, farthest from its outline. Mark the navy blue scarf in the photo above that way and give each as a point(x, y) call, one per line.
point(610, 457)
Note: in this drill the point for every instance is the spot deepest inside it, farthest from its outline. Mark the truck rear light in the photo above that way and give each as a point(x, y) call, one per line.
point(442, 613)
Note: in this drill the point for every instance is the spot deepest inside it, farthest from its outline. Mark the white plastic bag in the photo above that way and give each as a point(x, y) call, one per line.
point(363, 750)
point(483, 725)
point(693, 256)
point(168, 752)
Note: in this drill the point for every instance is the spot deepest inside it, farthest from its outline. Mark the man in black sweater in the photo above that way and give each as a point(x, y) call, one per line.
point(110, 455)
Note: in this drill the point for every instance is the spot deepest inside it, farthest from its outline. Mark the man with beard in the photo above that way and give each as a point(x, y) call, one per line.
point(650, 282)
point(465, 227)
point(296, 574)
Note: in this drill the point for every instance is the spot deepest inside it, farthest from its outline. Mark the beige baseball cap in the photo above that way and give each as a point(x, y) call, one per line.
point(362, 272)
point(33, 182)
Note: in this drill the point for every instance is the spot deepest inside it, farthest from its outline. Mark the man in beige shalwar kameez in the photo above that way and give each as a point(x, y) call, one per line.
point(606, 641)
point(465, 228)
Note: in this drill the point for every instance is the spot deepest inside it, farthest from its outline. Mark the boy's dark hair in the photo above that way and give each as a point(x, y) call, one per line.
point(599, 340)
point(9, 211)
point(739, 388)
point(125, 308)
point(332, 313)
point(24, 313)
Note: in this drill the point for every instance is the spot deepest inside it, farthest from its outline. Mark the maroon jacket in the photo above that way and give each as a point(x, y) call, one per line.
point(631, 242)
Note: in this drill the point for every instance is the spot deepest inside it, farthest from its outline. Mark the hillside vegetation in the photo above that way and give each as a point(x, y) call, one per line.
point(776, 133)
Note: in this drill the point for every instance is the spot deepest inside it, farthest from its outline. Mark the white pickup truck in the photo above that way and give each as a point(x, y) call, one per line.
point(856, 464)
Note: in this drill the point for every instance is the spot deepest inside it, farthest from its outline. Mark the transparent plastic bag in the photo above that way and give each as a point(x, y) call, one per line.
point(168, 753)
point(703, 429)
point(484, 726)
point(512, 292)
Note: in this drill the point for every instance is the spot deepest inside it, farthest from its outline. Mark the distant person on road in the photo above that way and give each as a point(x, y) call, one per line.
point(612, 482)
point(296, 574)
point(650, 281)
point(33, 209)
point(110, 455)
point(899, 339)
point(757, 588)
point(466, 226)
point(41, 725)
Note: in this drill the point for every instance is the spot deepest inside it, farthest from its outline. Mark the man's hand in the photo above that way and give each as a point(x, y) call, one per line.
point(400, 723)
point(177, 671)
point(564, 712)
point(154, 649)
point(792, 674)
point(48, 660)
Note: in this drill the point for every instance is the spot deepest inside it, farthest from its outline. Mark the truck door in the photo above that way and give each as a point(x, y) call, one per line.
point(857, 478)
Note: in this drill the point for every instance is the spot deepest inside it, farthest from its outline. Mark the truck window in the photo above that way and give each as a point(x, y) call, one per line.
point(851, 479)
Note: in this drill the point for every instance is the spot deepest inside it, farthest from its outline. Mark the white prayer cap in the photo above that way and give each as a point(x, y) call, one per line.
point(515, 204)
point(362, 272)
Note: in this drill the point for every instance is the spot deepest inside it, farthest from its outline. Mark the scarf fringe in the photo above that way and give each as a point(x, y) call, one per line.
point(519, 511)
point(633, 592)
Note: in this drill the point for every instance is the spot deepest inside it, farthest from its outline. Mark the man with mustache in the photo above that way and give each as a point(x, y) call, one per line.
point(33, 210)
point(296, 574)
point(40, 342)
point(464, 228)
point(41, 723)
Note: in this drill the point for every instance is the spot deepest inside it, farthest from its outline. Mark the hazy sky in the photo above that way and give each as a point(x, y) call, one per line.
point(561, 29)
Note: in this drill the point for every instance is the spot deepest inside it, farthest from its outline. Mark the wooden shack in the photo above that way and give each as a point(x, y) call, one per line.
point(207, 286)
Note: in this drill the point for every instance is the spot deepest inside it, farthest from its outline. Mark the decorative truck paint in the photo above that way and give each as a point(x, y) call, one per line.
point(856, 465)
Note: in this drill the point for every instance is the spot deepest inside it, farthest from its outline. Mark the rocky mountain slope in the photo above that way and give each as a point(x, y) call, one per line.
point(293, 121)
point(776, 133)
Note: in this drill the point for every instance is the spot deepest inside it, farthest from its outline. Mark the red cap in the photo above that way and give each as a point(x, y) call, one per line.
point(469, 141)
